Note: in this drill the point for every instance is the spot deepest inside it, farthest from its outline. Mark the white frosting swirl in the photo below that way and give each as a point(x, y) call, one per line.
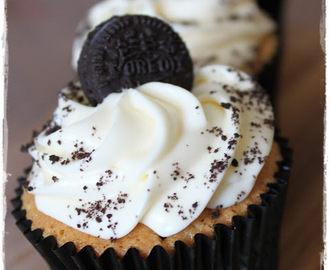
point(224, 32)
point(157, 154)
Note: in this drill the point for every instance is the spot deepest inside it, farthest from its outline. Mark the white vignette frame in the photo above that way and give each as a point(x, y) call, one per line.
point(325, 22)
point(324, 33)
point(4, 130)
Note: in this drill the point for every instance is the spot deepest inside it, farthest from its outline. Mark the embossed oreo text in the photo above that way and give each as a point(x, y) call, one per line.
point(126, 52)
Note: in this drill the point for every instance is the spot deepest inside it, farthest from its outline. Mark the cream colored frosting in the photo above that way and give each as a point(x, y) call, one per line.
point(224, 32)
point(157, 154)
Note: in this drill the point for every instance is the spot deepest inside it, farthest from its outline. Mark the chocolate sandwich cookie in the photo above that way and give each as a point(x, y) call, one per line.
point(128, 51)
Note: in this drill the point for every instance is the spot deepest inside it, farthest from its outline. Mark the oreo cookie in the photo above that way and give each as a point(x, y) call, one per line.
point(127, 51)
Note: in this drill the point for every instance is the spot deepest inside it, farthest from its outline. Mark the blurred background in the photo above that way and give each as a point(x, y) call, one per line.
point(40, 35)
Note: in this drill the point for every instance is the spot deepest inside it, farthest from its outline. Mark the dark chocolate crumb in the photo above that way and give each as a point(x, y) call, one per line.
point(121, 200)
point(54, 158)
point(25, 148)
point(256, 125)
point(67, 108)
point(51, 129)
point(217, 131)
point(269, 122)
point(215, 214)
point(231, 143)
point(113, 239)
point(233, 99)
point(226, 105)
point(98, 219)
point(25, 184)
point(173, 197)
point(234, 162)
point(65, 162)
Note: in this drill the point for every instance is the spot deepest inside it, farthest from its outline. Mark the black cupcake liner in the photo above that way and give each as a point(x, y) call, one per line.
point(272, 7)
point(269, 75)
point(251, 243)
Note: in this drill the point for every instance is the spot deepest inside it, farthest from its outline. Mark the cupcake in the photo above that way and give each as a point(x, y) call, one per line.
point(147, 164)
point(235, 32)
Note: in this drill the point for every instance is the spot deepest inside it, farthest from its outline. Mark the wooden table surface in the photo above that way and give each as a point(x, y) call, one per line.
point(40, 36)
